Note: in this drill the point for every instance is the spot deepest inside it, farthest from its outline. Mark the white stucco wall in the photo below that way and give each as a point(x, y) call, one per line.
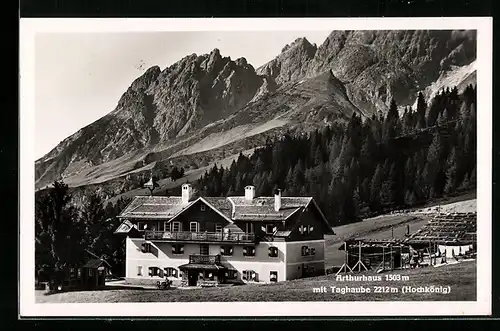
point(161, 256)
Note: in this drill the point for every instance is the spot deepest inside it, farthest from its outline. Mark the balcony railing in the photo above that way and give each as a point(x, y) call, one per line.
point(200, 236)
point(204, 259)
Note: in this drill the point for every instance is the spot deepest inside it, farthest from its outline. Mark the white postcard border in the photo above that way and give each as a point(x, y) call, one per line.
point(30, 27)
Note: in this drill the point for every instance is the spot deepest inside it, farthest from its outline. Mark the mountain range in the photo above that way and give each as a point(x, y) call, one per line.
point(207, 108)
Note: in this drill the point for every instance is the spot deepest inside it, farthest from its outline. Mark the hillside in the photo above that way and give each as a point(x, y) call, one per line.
point(214, 105)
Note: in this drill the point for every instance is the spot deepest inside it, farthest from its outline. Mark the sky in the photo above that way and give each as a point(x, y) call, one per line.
point(79, 77)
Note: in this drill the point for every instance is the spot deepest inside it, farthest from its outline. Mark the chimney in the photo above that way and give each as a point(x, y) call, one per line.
point(187, 192)
point(277, 200)
point(249, 192)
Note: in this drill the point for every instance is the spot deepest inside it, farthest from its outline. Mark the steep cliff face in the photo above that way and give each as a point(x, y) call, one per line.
point(164, 112)
point(157, 107)
point(376, 66)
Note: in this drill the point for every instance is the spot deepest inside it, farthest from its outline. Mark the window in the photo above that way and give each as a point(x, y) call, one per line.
point(226, 250)
point(310, 229)
point(139, 270)
point(72, 273)
point(202, 207)
point(249, 275)
point(170, 272)
point(154, 271)
point(273, 251)
point(231, 274)
point(177, 249)
point(193, 227)
point(166, 226)
point(248, 251)
point(203, 249)
point(308, 251)
point(141, 226)
point(146, 247)
point(79, 272)
point(176, 226)
point(249, 227)
point(273, 276)
point(91, 272)
point(218, 227)
point(270, 228)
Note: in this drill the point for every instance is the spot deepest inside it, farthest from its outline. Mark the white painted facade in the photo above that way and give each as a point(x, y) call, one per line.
point(289, 263)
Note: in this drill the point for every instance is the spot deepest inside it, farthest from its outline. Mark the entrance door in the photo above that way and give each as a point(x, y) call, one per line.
point(192, 277)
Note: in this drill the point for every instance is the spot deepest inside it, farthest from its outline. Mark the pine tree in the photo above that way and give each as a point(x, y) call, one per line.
point(375, 187)
point(451, 173)
point(421, 109)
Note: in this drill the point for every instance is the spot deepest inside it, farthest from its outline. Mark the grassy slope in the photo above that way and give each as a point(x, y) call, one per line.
point(460, 277)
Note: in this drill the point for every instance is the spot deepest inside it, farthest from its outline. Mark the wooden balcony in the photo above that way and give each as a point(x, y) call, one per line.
point(214, 237)
point(204, 259)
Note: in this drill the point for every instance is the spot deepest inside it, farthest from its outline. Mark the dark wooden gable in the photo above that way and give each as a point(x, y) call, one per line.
point(202, 213)
point(310, 218)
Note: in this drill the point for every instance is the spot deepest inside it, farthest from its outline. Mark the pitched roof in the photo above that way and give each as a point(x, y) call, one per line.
point(221, 204)
point(94, 263)
point(262, 208)
point(153, 207)
point(233, 208)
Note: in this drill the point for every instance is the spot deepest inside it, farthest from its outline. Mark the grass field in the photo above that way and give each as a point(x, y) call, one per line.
point(461, 279)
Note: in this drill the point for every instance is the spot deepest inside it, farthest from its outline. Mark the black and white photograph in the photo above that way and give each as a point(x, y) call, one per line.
point(256, 167)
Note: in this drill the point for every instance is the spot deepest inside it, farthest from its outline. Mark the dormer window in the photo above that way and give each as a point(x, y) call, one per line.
point(273, 251)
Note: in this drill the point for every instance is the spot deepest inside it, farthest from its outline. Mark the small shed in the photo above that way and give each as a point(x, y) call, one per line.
point(94, 273)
